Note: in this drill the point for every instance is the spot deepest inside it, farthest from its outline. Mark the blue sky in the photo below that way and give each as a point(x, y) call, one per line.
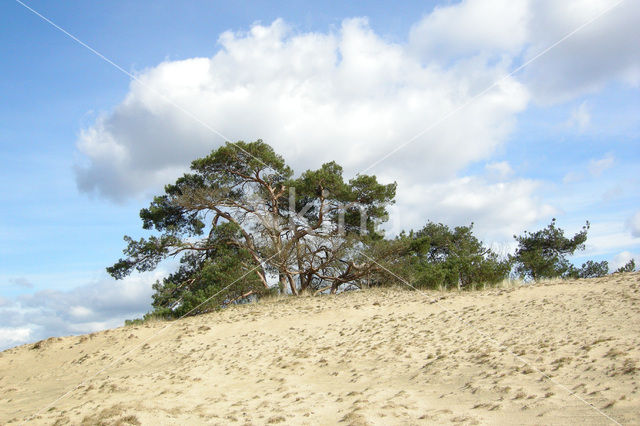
point(319, 81)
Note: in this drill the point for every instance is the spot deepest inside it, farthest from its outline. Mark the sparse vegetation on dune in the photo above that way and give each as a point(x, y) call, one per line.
point(446, 331)
point(246, 228)
point(508, 354)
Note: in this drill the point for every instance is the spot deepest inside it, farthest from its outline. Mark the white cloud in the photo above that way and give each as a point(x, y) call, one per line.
point(95, 306)
point(80, 311)
point(353, 96)
point(580, 117)
point(472, 27)
point(348, 96)
point(499, 170)
point(607, 237)
point(603, 51)
point(498, 210)
point(315, 97)
point(633, 224)
point(596, 167)
point(11, 336)
point(622, 259)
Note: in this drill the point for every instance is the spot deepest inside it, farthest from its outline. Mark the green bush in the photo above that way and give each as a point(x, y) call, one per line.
point(438, 256)
point(542, 254)
point(630, 266)
point(590, 269)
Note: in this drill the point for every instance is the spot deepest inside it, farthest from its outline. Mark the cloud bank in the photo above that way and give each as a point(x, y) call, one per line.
point(351, 95)
point(85, 309)
point(315, 97)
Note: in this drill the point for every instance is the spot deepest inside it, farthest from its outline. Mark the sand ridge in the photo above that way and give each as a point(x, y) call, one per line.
point(382, 356)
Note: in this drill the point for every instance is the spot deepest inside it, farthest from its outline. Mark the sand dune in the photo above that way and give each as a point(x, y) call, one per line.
point(508, 356)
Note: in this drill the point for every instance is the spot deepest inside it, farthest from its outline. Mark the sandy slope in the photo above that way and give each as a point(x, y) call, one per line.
point(377, 357)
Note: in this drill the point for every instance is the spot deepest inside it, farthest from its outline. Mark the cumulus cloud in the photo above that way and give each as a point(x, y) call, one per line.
point(520, 30)
point(11, 336)
point(601, 52)
point(607, 237)
point(354, 96)
point(472, 27)
point(95, 306)
point(622, 259)
point(498, 210)
point(348, 95)
point(499, 170)
point(633, 224)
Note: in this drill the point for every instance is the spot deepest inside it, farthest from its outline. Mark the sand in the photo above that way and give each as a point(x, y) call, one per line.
point(538, 354)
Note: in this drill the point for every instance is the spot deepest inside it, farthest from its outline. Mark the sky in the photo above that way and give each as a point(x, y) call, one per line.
point(505, 113)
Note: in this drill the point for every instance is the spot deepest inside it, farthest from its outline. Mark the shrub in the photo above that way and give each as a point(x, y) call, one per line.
point(542, 254)
point(590, 269)
point(630, 266)
point(439, 256)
